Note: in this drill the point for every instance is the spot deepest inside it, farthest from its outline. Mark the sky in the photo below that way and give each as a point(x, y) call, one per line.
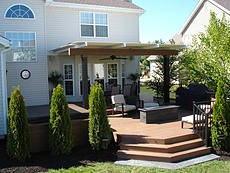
point(163, 18)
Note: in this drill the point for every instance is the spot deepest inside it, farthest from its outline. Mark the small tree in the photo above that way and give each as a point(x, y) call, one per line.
point(18, 138)
point(60, 126)
point(99, 129)
point(221, 120)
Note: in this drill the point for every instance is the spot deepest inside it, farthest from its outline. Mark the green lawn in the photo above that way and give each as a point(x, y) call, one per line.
point(146, 89)
point(208, 167)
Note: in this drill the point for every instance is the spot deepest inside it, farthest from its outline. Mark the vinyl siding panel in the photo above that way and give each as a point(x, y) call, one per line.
point(35, 89)
point(63, 27)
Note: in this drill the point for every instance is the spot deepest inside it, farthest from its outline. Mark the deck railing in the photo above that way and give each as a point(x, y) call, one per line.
point(202, 114)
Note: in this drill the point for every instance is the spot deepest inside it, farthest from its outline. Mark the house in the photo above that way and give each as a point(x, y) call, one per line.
point(4, 47)
point(85, 41)
point(200, 16)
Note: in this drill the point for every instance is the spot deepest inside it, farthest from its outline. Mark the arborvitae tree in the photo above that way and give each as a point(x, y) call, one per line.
point(220, 128)
point(99, 129)
point(60, 125)
point(18, 137)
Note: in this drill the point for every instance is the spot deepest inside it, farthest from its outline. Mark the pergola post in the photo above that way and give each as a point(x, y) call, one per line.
point(166, 79)
point(85, 89)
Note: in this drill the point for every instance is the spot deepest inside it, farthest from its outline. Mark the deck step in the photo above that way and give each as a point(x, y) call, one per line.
point(168, 148)
point(163, 157)
point(150, 140)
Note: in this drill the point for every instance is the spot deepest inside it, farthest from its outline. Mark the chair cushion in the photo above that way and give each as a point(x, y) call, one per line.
point(127, 108)
point(189, 119)
point(118, 99)
point(150, 104)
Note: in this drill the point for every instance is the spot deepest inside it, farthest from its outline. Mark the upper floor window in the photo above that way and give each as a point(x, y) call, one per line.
point(19, 11)
point(94, 24)
point(23, 46)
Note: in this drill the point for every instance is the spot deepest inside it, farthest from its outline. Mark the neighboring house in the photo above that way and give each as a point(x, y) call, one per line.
point(200, 16)
point(4, 47)
point(36, 28)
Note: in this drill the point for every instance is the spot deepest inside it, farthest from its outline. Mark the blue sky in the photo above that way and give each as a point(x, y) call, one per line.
point(163, 18)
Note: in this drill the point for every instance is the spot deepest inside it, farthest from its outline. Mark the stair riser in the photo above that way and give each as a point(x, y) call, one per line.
point(163, 150)
point(163, 159)
point(128, 139)
point(180, 138)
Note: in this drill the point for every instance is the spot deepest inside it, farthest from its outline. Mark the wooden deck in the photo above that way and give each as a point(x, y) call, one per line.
point(164, 141)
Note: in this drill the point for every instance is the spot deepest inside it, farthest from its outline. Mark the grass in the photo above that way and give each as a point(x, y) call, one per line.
point(146, 89)
point(208, 167)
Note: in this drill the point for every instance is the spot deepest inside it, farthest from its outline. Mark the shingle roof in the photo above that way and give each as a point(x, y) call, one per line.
point(224, 3)
point(109, 3)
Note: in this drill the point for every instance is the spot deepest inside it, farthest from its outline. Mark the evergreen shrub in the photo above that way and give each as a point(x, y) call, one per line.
point(99, 129)
point(220, 129)
point(18, 136)
point(60, 125)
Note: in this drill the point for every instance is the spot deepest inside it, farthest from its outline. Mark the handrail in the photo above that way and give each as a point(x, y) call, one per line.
point(201, 119)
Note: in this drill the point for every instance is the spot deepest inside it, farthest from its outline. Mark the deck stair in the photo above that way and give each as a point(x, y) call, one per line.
point(172, 149)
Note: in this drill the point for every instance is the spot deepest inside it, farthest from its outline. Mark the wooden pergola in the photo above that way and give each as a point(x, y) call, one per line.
point(85, 49)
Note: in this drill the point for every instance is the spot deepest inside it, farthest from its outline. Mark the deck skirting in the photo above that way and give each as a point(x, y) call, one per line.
point(39, 134)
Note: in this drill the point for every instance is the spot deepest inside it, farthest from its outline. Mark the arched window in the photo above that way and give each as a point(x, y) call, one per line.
point(19, 11)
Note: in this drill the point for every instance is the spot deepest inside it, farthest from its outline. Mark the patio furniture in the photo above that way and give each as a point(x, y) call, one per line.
point(146, 100)
point(116, 90)
point(158, 114)
point(119, 104)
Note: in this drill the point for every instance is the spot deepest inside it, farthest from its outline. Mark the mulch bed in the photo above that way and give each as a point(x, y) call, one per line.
point(41, 162)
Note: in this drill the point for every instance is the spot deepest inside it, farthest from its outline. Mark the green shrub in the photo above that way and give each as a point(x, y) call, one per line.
point(99, 129)
point(221, 120)
point(60, 126)
point(18, 137)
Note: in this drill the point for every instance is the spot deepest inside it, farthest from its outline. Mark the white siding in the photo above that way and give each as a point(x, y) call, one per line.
point(35, 89)
point(201, 20)
point(63, 27)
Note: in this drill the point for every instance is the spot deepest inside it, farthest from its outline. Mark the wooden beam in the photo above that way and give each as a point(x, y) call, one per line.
point(166, 80)
point(119, 52)
point(85, 81)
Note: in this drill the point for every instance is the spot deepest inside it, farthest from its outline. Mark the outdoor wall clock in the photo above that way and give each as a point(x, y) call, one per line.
point(25, 74)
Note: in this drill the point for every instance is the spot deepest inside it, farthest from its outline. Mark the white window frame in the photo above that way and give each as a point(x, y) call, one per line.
point(19, 18)
point(94, 73)
point(94, 24)
point(69, 79)
point(12, 49)
point(80, 75)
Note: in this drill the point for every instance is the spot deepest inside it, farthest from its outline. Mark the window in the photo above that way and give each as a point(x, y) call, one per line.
point(19, 12)
point(68, 79)
point(99, 74)
point(112, 74)
point(94, 24)
point(23, 46)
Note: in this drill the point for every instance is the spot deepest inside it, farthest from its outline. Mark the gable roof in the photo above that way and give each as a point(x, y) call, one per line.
point(224, 5)
point(109, 3)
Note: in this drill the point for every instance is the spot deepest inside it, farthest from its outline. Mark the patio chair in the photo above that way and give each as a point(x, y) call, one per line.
point(119, 104)
point(116, 90)
point(146, 100)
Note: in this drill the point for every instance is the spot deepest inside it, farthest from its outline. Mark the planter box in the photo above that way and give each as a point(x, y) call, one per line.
point(158, 114)
point(39, 134)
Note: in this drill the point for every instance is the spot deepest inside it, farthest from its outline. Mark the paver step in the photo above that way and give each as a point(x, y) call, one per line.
point(163, 157)
point(168, 148)
point(151, 140)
